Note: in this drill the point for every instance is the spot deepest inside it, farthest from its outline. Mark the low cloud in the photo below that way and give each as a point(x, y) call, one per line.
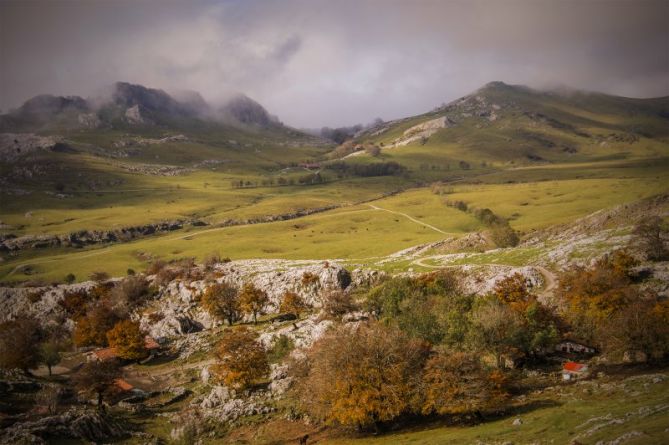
point(317, 63)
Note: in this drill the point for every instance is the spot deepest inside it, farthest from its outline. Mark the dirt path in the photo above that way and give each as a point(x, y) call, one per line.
point(411, 218)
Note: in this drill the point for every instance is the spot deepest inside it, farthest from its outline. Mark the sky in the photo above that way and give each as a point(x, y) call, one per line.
point(321, 63)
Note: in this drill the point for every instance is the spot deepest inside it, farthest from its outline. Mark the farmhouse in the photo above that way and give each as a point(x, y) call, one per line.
point(574, 347)
point(105, 354)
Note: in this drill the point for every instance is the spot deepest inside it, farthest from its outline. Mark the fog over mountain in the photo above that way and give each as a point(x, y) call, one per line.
point(317, 63)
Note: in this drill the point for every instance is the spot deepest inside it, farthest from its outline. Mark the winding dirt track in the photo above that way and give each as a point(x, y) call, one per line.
point(410, 218)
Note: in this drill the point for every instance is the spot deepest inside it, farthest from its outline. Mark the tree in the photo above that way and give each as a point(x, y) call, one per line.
point(50, 353)
point(49, 397)
point(496, 328)
point(70, 278)
point(456, 383)
point(242, 360)
point(504, 236)
point(18, 340)
point(221, 300)
point(292, 303)
point(252, 300)
point(513, 291)
point(98, 378)
point(128, 339)
point(91, 329)
point(360, 377)
point(649, 235)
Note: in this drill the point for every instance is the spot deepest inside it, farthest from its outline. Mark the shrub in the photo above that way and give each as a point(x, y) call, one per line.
point(337, 303)
point(70, 278)
point(504, 236)
point(99, 276)
point(281, 347)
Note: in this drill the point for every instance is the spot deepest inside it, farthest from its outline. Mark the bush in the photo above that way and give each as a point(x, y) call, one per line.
point(70, 278)
point(129, 293)
point(504, 236)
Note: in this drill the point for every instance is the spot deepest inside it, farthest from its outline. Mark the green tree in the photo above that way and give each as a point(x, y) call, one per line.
point(50, 353)
point(98, 378)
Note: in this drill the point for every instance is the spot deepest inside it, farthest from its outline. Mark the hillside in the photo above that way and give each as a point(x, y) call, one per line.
point(503, 125)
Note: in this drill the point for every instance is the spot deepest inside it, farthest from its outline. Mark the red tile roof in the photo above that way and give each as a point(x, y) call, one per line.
point(574, 367)
point(150, 343)
point(123, 385)
point(106, 353)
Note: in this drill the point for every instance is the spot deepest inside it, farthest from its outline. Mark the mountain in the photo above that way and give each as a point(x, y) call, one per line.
point(503, 123)
point(130, 104)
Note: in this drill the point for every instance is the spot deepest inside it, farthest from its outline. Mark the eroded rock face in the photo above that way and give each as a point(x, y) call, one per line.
point(73, 424)
point(41, 303)
point(15, 145)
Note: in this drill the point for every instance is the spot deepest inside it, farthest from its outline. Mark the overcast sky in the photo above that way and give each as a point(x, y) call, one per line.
point(317, 63)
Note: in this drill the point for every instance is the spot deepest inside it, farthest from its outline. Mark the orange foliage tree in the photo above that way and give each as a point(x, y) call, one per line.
point(252, 300)
point(91, 329)
point(455, 383)
point(359, 377)
point(291, 303)
point(242, 360)
point(128, 339)
point(221, 300)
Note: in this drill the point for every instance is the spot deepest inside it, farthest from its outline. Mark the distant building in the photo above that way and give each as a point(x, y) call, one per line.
point(574, 370)
point(574, 347)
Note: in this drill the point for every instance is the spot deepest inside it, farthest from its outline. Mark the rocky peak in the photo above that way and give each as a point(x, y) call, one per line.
point(247, 111)
point(127, 95)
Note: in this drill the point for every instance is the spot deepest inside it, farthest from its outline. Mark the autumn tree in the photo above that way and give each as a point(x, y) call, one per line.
point(456, 383)
point(221, 300)
point(128, 340)
point(252, 300)
point(242, 360)
point(513, 291)
point(360, 377)
point(649, 236)
point(91, 329)
point(292, 303)
point(98, 377)
point(18, 344)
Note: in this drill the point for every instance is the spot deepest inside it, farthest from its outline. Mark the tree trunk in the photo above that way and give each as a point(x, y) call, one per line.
point(49, 367)
point(99, 400)
point(255, 318)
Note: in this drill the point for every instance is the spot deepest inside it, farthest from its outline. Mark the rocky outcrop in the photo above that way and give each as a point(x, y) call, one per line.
point(10, 243)
point(73, 424)
point(421, 131)
point(15, 145)
point(39, 302)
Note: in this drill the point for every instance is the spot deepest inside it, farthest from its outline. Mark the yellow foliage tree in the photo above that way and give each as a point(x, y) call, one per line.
point(221, 300)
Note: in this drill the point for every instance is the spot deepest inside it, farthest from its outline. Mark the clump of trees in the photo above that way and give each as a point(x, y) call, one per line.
point(499, 230)
point(241, 359)
point(390, 168)
point(365, 376)
point(603, 305)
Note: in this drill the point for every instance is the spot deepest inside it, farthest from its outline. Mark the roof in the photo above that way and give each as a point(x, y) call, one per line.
point(106, 353)
point(150, 343)
point(574, 367)
point(123, 385)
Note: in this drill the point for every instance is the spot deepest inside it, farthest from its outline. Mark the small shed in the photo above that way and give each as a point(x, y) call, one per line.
point(574, 370)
